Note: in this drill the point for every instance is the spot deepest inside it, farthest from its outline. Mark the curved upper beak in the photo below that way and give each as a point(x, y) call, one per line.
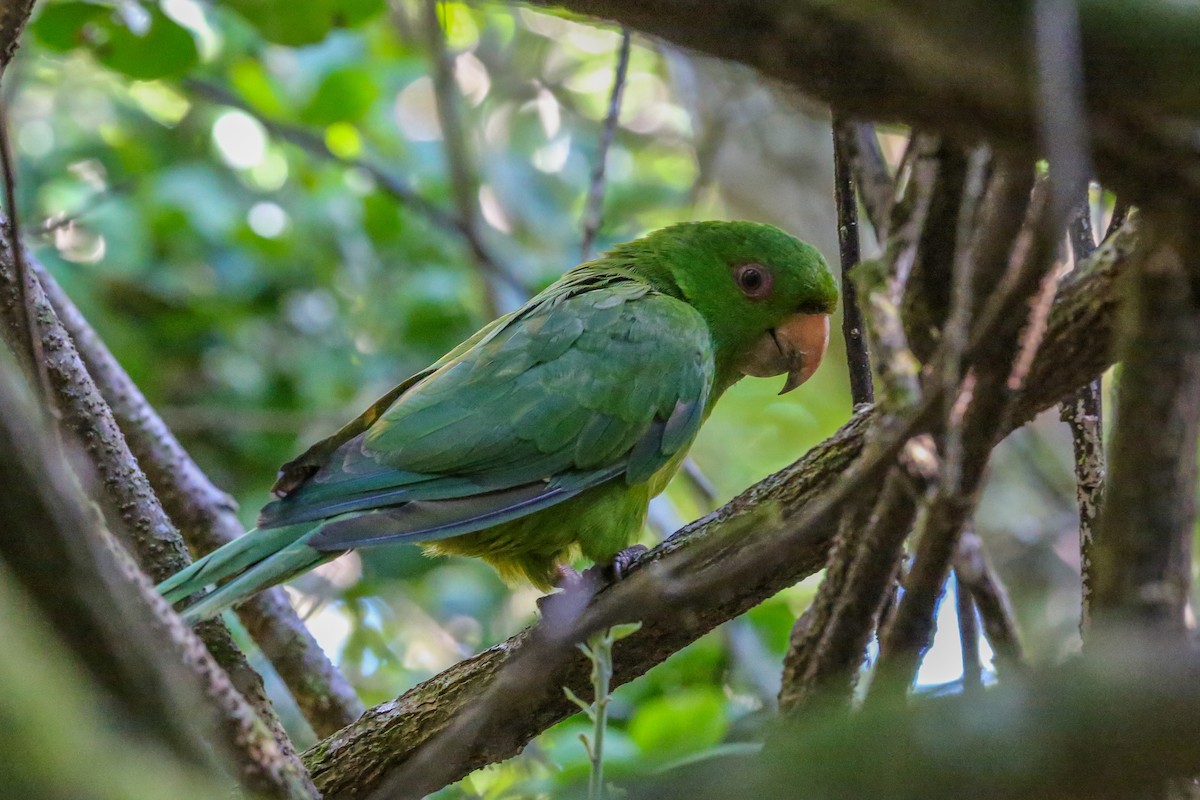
point(795, 347)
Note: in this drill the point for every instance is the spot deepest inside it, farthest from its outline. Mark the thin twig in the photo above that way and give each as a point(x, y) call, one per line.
point(976, 574)
point(392, 185)
point(871, 175)
point(858, 360)
point(968, 637)
point(463, 180)
point(593, 212)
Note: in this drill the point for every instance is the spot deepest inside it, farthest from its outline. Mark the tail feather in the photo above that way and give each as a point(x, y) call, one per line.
point(229, 560)
point(276, 567)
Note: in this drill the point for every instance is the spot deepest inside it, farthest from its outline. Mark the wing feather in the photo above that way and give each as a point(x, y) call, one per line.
point(601, 378)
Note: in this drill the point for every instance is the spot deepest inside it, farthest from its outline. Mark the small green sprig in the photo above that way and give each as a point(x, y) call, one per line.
point(599, 651)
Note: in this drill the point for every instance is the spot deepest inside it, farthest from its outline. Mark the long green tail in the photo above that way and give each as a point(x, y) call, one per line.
point(262, 557)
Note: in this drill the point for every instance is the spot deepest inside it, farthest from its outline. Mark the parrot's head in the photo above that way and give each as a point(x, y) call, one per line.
point(765, 295)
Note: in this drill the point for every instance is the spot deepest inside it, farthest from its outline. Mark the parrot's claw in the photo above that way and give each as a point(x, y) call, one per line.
point(621, 565)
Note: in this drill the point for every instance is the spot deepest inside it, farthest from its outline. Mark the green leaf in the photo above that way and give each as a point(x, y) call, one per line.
point(60, 26)
point(282, 22)
point(679, 724)
point(619, 632)
point(344, 95)
point(165, 49)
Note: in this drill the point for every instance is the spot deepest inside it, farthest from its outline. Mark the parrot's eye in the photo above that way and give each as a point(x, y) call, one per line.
point(754, 280)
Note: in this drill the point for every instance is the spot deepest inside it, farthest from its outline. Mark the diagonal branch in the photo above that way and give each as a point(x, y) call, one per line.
point(686, 586)
point(131, 508)
point(395, 187)
point(206, 519)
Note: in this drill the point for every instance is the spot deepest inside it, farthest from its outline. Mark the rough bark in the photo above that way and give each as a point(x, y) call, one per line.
point(1142, 552)
point(686, 586)
point(13, 16)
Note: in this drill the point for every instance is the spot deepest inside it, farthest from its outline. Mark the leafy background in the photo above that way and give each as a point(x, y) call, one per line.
point(211, 185)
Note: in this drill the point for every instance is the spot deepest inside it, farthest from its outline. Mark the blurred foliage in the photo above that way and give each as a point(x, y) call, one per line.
point(261, 293)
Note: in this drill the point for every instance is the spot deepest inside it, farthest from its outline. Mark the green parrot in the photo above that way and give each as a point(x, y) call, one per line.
point(547, 432)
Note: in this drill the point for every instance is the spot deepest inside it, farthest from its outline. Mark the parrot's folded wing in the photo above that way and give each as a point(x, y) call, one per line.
point(429, 520)
point(602, 378)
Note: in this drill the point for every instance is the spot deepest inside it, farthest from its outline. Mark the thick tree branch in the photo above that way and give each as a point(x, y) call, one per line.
point(1142, 552)
point(206, 519)
point(925, 64)
point(675, 593)
point(117, 624)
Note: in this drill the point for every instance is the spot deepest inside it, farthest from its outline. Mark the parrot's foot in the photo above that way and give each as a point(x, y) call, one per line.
point(620, 566)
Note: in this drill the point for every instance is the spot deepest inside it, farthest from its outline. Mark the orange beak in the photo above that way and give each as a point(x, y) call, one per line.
point(795, 347)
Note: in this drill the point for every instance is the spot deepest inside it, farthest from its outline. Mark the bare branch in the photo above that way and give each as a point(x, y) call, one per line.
point(895, 61)
point(392, 185)
point(976, 574)
point(593, 211)
point(996, 374)
point(968, 637)
point(103, 605)
point(857, 358)
point(206, 519)
point(1142, 551)
point(870, 170)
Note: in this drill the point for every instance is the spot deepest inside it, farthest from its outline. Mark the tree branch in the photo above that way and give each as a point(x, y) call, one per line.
point(1083, 414)
point(13, 16)
point(118, 625)
point(593, 211)
point(685, 586)
point(1142, 552)
point(895, 61)
point(130, 507)
point(857, 358)
point(206, 519)
point(975, 574)
point(395, 187)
